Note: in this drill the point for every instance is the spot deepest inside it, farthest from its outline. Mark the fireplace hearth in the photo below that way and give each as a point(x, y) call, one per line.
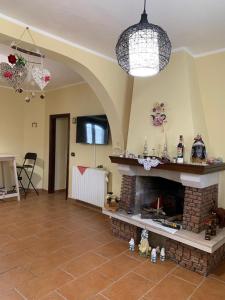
point(182, 194)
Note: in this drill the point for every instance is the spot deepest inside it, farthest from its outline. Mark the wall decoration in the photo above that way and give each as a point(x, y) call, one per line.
point(41, 76)
point(24, 70)
point(14, 73)
point(198, 152)
point(158, 116)
point(148, 163)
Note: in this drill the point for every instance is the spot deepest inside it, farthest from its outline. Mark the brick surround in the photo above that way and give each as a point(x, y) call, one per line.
point(186, 256)
point(128, 192)
point(197, 205)
point(124, 230)
point(194, 259)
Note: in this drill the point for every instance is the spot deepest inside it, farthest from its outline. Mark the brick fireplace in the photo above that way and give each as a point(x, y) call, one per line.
point(198, 202)
point(200, 195)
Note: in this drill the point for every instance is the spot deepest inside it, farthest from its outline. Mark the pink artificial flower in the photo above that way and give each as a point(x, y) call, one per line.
point(8, 74)
point(47, 78)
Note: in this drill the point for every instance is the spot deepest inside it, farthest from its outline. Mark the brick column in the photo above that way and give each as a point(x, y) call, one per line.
point(197, 206)
point(128, 193)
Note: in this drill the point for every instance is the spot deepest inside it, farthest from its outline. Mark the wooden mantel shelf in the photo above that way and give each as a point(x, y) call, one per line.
point(185, 168)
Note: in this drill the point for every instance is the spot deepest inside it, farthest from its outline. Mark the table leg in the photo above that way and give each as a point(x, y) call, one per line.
point(16, 180)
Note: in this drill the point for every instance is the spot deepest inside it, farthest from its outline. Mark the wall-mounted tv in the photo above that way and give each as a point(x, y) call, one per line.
point(92, 130)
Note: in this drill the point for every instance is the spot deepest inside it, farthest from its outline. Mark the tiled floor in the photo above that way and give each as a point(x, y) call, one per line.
point(52, 249)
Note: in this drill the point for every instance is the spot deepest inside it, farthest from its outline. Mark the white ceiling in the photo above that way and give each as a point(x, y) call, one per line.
point(61, 74)
point(198, 25)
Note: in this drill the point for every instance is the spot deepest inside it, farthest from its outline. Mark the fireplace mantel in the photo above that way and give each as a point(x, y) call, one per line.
point(199, 169)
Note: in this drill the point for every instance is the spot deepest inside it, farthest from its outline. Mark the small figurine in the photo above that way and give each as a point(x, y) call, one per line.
point(162, 254)
point(198, 152)
point(214, 223)
point(208, 232)
point(144, 248)
point(158, 250)
point(111, 202)
point(153, 255)
point(131, 245)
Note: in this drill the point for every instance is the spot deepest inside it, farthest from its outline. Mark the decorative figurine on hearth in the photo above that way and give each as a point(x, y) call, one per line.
point(208, 231)
point(153, 255)
point(131, 245)
point(162, 254)
point(158, 116)
point(158, 250)
point(111, 202)
point(144, 248)
point(198, 152)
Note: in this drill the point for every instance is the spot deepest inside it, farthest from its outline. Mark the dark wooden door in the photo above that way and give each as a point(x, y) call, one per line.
point(52, 151)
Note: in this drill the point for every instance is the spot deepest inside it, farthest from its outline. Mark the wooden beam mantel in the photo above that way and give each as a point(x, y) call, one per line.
point(200, 169)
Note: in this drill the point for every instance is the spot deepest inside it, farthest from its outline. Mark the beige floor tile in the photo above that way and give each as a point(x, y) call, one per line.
point(85, 287)
point(14, 277)
point(47, 263)
point(11, 295)
point(211, 289)
point(171, 288)
point(219, 273)
point(118, 266)
point(13, 260)
point(185, 274)
point(131, 287)
point(83, 264)
point(155, 271)
point(53, 296)
point(112, 249)
point(42, 286)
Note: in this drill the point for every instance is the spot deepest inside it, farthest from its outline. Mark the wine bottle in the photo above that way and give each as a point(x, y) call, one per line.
point(180, 150)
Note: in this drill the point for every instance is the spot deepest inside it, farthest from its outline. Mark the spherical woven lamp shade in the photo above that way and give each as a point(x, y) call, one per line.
point(143, 49)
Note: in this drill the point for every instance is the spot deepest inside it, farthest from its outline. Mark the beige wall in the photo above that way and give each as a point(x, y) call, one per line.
point(211, 75)
point(79, 100)
point(109, 82)
point(194, 94)
point(171, 87)
point(17, 136)
point(61, 145)
point(11, 122)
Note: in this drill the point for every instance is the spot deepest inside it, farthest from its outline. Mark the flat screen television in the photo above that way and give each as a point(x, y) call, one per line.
point(92, 130)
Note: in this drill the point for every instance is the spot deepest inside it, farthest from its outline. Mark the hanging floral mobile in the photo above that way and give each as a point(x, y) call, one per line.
point(16, 71)
point(158, 116)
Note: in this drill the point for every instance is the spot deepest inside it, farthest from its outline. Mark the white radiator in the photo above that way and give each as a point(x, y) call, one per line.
point(91, 186)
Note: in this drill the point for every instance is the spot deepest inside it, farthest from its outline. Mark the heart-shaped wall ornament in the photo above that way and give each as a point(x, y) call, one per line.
point(14, 76)
point(41, 77)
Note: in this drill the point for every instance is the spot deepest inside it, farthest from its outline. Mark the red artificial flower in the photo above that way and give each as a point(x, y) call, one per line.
point(12, 59)
point(47, 78)
point(8, 74)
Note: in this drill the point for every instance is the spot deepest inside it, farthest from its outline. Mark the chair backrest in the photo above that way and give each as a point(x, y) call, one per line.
point(30, 156)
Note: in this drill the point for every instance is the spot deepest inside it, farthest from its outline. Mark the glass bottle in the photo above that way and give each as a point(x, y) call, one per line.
point(180, 150)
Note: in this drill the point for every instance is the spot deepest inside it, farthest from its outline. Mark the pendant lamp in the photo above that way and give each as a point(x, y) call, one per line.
point(143, 49)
